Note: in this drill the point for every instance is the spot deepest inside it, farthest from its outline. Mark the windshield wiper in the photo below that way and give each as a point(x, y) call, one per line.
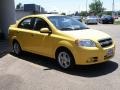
point(80, 28)
point(76, 28)
point(67, 28)
point(83, 28)
point(64, 29)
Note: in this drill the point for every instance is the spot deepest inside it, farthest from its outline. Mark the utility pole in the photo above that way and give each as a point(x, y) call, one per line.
point(86, 6)
point(113, 8)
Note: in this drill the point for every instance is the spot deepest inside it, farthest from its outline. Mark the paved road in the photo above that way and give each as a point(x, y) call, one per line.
point(33, 72)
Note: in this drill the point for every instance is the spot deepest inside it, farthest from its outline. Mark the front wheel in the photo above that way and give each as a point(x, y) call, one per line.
point(65, 59)
point(112, 22)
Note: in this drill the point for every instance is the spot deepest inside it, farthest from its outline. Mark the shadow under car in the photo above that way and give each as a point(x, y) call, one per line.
point(79, 70)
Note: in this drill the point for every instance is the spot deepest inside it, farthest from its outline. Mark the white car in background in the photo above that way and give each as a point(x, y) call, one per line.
point(91, 20)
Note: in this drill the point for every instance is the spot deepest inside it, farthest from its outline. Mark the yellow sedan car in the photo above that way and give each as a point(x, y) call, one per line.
point(61, 37)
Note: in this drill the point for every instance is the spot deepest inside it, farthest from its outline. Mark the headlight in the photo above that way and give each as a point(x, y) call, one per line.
point(85, 43)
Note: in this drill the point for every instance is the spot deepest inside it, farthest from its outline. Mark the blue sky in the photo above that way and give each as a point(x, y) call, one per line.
point(68, 6)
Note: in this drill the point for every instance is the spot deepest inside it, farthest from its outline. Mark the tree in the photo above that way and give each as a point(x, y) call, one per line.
point(83, 13)
point(63, 13)
point(96, 7)
point(76, 13)
point(19, 6)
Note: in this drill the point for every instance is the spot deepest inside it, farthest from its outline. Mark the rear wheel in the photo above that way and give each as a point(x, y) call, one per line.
point(65, 59)
point(16, 48)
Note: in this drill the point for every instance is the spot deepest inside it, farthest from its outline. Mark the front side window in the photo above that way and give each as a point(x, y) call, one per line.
point(40, 23)
point(66, 23)
point(26, 24)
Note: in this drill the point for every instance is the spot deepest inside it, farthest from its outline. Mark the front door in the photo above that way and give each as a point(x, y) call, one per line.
point(39, 39)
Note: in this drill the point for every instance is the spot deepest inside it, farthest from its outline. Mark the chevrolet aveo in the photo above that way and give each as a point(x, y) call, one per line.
point(61, 37)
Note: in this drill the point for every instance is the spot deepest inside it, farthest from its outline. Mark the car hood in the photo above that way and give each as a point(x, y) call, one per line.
point(92, 18)
point(87, 34)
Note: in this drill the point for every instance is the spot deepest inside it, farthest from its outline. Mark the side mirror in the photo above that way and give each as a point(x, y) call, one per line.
point(45, 30)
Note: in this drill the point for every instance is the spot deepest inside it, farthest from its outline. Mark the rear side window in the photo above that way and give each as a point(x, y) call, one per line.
point(27, 23)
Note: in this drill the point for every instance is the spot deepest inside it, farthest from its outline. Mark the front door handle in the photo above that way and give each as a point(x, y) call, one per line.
point(17, 32)
point(32, 35)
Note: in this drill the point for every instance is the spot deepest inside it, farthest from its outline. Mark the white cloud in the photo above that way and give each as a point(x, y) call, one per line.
point(117, 6)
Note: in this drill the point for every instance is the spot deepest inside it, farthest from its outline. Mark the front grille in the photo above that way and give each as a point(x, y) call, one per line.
point(105, 42)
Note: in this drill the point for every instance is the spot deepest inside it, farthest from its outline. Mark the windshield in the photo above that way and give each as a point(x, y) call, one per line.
point(66, 23)
point(107, 16)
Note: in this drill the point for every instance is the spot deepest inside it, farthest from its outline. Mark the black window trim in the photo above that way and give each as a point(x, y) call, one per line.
point(34, 23)
point(25, 19)
point(49, 27)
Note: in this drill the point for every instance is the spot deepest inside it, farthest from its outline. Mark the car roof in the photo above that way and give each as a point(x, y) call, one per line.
point(107, 15)
point(44, 15)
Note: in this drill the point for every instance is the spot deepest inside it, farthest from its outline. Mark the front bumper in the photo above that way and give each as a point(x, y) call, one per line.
point(108, 21)
point(92, 21)
point(88, 56)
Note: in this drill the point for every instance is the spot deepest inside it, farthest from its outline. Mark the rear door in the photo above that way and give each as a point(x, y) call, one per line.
point(24, 33)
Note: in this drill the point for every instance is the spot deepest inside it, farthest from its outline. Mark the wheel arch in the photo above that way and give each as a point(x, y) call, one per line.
point(64, 45)
point(63, 48)
point(15, 40)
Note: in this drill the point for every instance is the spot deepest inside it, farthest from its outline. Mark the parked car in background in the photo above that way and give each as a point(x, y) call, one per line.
point(62, 38)
point(91, 20)
point(115, 17)
point(106, 19)
point(77, 18)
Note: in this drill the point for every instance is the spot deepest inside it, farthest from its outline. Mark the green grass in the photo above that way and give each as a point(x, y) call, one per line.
point(117, 22)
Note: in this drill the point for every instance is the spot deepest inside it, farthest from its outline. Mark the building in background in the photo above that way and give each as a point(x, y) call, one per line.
point(7, 16)
point(29, 9)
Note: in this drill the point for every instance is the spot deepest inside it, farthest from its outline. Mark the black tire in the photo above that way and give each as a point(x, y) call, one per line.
point(16, 48)
point(67, 61)
point(112, 22)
